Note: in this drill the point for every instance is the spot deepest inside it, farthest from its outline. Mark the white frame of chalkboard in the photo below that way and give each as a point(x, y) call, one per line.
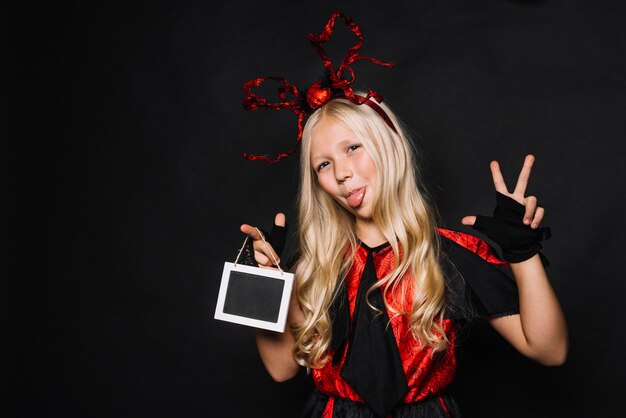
point(279, 325)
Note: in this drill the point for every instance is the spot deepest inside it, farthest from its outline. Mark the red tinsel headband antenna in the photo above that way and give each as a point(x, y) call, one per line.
point(339, 84)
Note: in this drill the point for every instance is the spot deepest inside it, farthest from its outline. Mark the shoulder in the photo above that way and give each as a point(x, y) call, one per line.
point(476, 281)
point(473, 244)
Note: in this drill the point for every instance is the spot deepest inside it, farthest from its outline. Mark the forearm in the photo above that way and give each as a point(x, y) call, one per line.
point(276, 349)
point(541, 318)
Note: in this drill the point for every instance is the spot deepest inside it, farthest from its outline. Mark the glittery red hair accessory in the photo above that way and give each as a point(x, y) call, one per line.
point(337, 83)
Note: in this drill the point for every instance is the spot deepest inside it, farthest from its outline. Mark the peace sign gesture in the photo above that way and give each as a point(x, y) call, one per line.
point(533, 214)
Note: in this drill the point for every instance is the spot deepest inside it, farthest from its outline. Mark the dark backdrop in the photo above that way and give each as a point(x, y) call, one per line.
point(126, 188)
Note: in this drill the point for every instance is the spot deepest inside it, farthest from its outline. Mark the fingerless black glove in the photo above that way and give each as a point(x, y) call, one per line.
point(518, 242)
point(276, 239)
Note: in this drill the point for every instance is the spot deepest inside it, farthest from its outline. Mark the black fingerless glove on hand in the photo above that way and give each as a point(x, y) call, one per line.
point(276, 239)
point(247, 254)
point(518, 242)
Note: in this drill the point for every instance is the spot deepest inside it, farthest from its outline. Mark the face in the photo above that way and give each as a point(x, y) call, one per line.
point(344, 169)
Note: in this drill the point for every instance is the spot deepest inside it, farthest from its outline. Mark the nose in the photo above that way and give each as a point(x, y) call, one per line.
point(343, 170)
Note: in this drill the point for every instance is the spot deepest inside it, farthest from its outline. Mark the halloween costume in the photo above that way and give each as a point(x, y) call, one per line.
point(476, 287)
point(377, 367)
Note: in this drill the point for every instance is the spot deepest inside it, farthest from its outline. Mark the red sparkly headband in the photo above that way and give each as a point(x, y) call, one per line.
point(337, 83)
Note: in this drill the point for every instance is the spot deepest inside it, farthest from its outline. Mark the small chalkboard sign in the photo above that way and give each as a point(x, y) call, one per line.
point(254, 296)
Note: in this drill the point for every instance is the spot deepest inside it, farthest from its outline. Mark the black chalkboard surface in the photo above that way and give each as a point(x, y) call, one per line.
point(254, 296)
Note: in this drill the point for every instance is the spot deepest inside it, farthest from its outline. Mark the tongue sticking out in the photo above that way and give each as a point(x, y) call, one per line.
point(356, 198)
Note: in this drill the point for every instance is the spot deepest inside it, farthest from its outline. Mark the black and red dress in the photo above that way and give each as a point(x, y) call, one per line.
point(476, 286)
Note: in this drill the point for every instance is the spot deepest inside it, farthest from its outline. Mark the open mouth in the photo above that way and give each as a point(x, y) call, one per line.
point(355, 198)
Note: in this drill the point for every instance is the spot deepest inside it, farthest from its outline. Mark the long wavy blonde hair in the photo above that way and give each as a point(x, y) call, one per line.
point(327, 235)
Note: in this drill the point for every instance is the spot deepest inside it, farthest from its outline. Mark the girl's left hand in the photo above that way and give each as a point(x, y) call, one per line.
point(533, 213)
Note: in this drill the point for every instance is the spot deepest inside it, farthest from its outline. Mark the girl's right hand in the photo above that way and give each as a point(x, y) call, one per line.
point(275, 348)
point(264, 253)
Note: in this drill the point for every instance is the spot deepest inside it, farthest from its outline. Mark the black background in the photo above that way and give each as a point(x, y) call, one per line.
point(123, 133)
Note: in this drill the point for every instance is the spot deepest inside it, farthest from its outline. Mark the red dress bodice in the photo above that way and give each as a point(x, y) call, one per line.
point(427, 375)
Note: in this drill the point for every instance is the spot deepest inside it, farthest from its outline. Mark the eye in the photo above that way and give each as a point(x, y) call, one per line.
point(354, 147)
point(322, 165)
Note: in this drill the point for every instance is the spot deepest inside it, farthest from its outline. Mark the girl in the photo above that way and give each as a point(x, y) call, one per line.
point(380, 291)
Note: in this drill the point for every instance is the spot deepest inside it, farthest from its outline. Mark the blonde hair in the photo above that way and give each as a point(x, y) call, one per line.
point(327, 235)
